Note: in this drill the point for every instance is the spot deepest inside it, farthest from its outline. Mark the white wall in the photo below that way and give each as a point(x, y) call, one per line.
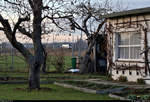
point(127, 26)
point(133, 77)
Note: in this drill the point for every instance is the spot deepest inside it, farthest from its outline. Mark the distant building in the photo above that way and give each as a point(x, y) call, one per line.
point(68, 46)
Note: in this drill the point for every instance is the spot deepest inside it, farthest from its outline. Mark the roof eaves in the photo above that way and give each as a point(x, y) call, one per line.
point(127, 13)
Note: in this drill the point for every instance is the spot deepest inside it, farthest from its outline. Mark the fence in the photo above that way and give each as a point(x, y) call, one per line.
point(12, 61)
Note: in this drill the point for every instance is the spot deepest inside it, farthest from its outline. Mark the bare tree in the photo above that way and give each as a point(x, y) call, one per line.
point(15, 15)
point(25, 11)
point(85, 16)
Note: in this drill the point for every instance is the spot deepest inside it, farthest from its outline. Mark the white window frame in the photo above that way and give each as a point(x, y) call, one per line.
point(128, 46)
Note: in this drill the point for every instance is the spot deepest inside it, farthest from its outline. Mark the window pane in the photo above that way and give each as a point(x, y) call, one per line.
point(135, 52)
point(123, 52)
point(124, 39)
point(135, 38)
point(126, 53)
point(129, 49)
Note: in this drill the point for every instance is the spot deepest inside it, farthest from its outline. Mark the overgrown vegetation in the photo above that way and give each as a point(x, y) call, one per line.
point(140, 81)
point(122, 79)
point(59, 61)
point(134, 94)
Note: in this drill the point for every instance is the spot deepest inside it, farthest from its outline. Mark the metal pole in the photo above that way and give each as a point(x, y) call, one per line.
point(53, 41)
point(79, 54)
point(80, 41)
point(72, 46)
point(0, 48)
point(6, 65)
point(12, 58)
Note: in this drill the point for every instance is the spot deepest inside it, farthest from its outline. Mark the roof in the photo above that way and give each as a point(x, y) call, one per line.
point(128, 13)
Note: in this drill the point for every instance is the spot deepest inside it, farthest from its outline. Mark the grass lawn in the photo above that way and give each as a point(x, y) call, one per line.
point(9, 92)
point(19, 63)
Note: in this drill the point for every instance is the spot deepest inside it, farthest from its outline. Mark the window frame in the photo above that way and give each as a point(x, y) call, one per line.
point(128, 46)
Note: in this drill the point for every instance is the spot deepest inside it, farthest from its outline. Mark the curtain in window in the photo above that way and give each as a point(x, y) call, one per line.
point(124, 39)
point(129, 45)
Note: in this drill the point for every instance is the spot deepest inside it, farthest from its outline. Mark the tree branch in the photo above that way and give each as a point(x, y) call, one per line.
point(12, 39)
point(1, 28)
point(5, 23)
point(11, 2)
point(75, 24)
point(20, 20)
point(53, 20)
point(31, 3)
point(85, 23)
point(56, 17)
point(57, 24)
point(100, 26)
point(23, 31)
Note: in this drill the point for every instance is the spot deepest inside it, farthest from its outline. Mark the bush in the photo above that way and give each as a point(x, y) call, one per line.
point(122, 79)
point(109, 78)
point(59, 60)
point(140, 81)
point(135, 97)
point(145, 97)
point(132, 97)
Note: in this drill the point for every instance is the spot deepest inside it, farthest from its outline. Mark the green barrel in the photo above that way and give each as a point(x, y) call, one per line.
point(74, 63)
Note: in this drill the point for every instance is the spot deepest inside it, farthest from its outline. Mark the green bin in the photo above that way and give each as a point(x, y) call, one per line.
point(74, 63)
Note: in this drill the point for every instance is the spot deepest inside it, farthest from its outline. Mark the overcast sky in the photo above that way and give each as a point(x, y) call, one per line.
point(133, 4)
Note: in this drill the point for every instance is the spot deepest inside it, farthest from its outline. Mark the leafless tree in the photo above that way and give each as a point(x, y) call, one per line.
point(82, 15)
point(25, 12)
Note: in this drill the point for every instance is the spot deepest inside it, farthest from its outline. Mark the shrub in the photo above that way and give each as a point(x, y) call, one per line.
point(122, 79)
point(135, 97)
point(145, 97)
point(132, 97)
point(140, 81)
point(109, 78)
point(59, 60)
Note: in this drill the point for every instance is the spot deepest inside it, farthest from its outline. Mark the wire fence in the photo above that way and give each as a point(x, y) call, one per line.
point(12, 61)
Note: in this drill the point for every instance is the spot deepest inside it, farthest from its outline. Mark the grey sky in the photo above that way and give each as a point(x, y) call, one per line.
point(133, 4)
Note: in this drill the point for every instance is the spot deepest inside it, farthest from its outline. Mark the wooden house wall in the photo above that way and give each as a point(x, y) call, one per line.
point(126, 24)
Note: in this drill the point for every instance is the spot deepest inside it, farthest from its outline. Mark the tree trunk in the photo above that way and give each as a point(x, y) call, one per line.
point(34, 60)
point(86, 63)
point(38, 59)
point(34, 77)
point(34, 72)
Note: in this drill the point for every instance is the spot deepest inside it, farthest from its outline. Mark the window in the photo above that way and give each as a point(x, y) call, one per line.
point(129, 45)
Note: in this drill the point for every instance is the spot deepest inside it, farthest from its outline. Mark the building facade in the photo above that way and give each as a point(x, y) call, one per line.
point(128, 36)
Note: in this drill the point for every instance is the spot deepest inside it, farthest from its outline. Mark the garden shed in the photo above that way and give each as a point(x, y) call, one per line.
point(128, 36)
